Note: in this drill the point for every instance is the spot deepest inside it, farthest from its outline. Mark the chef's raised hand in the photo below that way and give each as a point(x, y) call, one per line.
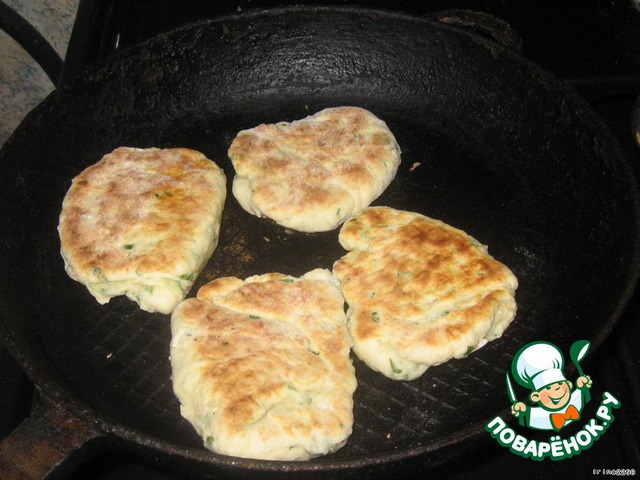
point(584, 381)
point(518, 408)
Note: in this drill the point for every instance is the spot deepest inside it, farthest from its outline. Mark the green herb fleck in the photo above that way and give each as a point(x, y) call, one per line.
point(315, 353)
point(404, 276)
point(470, 349)
point(166, 194)
point(445, 313)
point(187, 276)
point(394, 369)
point(97, 271)
point(288, 280)
point(148, 288)
point(128, 246)
point(210, 413)
point(209, 440)
point(253, 317)
point(375, 316)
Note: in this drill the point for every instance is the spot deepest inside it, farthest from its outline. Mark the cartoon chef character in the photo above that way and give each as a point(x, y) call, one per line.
point(539, 367)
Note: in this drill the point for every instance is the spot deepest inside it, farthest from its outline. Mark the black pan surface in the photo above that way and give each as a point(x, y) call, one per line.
point(490, 144)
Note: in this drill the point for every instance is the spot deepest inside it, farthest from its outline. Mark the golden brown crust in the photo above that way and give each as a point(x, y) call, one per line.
point(142, 212)
point(312, 174)
point(270, 355)
point(422, 289)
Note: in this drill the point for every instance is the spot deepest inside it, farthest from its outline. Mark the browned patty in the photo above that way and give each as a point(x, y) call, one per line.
point(420, 292)
point(142, 223)
point(261, 367)
point(312, 174)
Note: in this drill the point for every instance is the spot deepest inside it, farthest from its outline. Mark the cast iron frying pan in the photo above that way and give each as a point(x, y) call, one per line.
point(491, 144)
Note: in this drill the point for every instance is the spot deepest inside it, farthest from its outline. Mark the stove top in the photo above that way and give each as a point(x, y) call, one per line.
point(593, 45)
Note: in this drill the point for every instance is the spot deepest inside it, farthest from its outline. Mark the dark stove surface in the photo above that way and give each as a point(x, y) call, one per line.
point(593, 45)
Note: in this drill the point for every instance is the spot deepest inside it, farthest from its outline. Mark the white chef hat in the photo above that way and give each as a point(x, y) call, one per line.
point(537, 365)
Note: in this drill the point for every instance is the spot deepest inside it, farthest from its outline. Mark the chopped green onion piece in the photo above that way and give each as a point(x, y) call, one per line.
point(97, 271)
point(394, 369)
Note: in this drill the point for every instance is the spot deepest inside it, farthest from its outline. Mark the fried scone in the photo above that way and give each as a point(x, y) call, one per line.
point(142, 223)
point(261, 367)
point(420, 292)
point(312, 174)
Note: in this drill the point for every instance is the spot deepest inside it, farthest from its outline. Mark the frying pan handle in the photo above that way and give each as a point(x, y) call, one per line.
point(48, 444)
point(480, 22)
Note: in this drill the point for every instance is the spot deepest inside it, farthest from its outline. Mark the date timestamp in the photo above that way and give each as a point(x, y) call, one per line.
point(616, 472)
